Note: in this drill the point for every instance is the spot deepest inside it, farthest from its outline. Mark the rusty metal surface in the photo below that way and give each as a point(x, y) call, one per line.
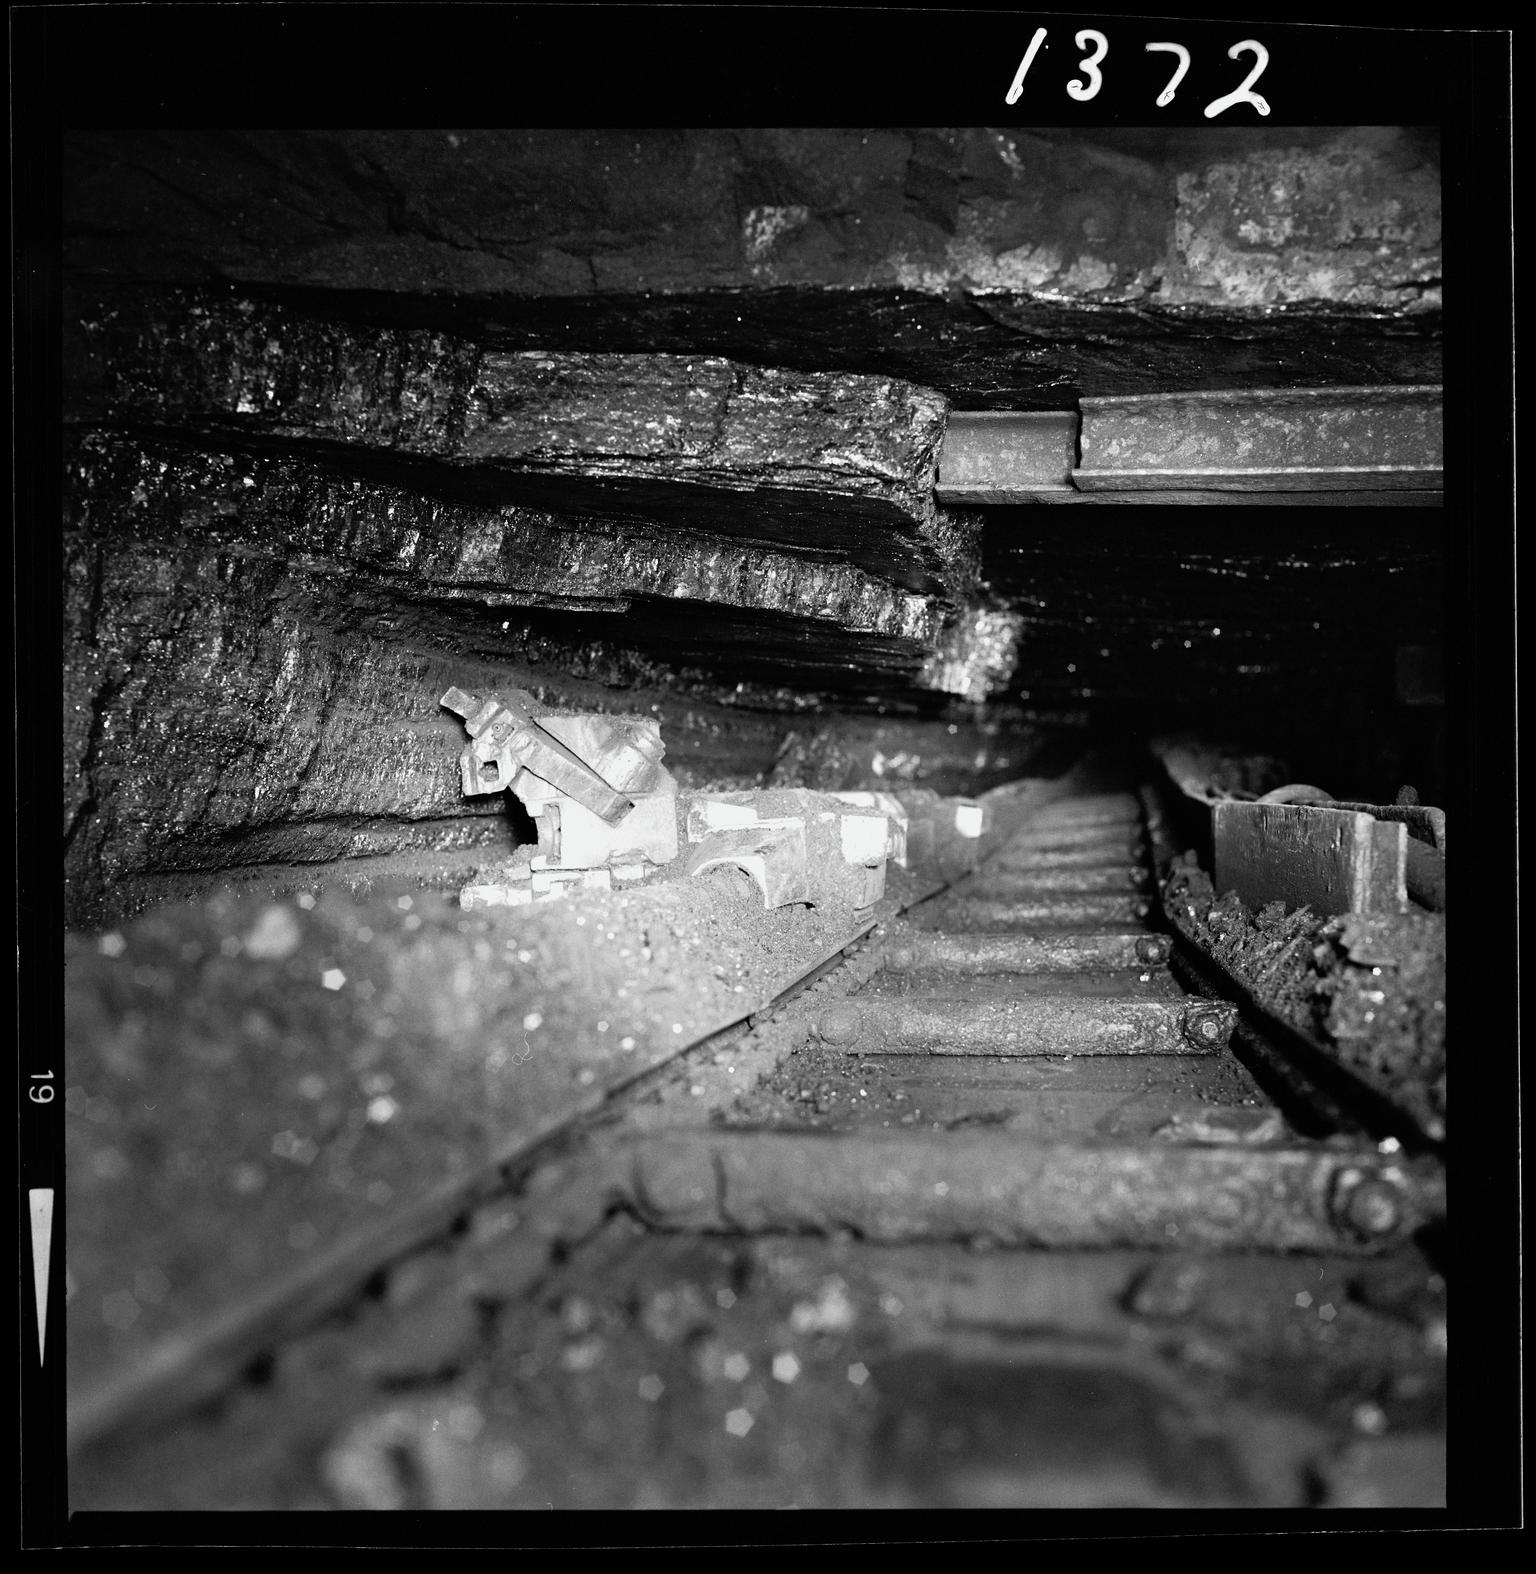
point(1060, 1024)
point(1024, 882)
point(1098, 809)
point(1370, 442)
point(972, 954)
point(1089, 856)
point(1307, 439)
point(1084, 843)
point(1318, 492)
point(1005, 456)
point(922, 1186)
point(1074, 913)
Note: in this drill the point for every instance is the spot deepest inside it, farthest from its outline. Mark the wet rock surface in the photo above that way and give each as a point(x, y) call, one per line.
point(385, 547)
point(835, 464)
point(1001, 351)
point(1005, 269)
point(1242, 217)
point(1250, 230)
point(257, 645)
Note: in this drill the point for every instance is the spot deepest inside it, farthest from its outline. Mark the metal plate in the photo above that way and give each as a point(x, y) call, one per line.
point(1006, 456)
point(1302, 439)
point(1330, 860)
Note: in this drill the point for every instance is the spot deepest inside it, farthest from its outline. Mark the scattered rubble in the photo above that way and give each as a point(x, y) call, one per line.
point(708, 1372)
point(1370, 987)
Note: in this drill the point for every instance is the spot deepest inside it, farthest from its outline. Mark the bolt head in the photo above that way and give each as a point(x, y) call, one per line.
point(1206, 1025)
point(839, 1025)
point(1372, 1208)
point(1153, 948)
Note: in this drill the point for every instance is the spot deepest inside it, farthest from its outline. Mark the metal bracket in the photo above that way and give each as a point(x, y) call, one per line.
point(506, 733)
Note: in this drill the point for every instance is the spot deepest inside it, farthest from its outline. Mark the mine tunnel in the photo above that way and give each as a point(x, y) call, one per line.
point(755, 818)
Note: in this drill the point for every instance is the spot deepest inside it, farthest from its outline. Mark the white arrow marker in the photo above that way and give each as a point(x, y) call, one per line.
point(42, 1243)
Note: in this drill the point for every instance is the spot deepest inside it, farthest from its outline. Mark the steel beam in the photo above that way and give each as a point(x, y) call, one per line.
point(1031, 1026)
point(1211, 495)
point(1024, 882)
point(1093, 809)
point(1290, 440)
point(1373, 445)
point(1021, 858)
point(983, 954)
point(994, 1186)
point(1006, 456)
point(1088, 844)
point(1094, 911)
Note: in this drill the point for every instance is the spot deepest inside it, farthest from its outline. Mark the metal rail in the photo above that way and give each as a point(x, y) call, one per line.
point(1090, 1045)
point(1363, 445)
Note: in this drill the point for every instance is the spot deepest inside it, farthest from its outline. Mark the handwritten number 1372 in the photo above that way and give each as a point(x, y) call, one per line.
point(1097, 46)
